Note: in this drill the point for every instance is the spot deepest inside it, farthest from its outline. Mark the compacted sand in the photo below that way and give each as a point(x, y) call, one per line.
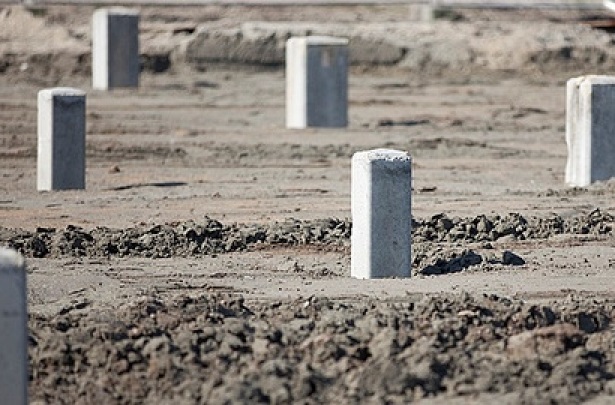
point(208, 259)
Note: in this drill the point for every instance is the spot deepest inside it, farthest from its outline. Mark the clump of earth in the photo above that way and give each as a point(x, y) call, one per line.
point(218, 349)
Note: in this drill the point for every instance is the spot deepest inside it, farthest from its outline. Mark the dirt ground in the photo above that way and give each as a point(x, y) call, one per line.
point(208, 259)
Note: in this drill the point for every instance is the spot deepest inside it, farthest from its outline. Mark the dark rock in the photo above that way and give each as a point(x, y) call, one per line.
point(512, 259)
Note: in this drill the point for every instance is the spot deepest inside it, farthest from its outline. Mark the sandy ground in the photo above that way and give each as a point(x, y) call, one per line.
point(194, 144)
point(173, 151)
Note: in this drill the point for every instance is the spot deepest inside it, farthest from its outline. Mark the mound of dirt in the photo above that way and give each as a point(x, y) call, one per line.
point(212, 237)
point(31, 47)
point(435, 47)
point(47, 44)
point(218, 349)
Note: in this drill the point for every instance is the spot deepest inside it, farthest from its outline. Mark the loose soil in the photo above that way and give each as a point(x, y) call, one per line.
point(208, 260)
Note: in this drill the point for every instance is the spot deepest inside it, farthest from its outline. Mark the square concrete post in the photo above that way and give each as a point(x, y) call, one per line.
point(316, 82)
point(61, 139)
point(590, 129)
point(13, 329)
point(381, 214)
point(423, 11)
point(115, 48)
